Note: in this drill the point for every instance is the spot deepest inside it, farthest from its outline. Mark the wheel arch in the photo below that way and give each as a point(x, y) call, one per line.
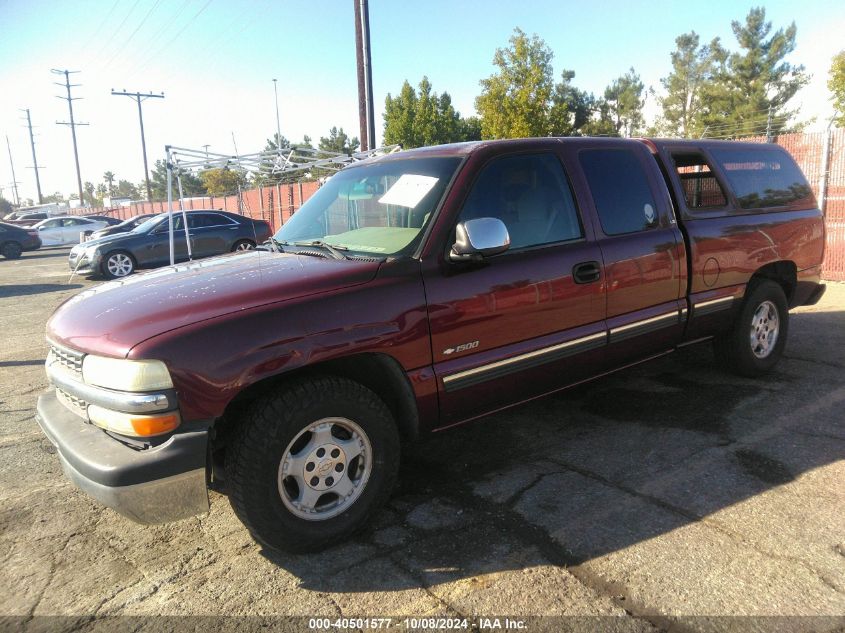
point(784, 273)
point(380, 373)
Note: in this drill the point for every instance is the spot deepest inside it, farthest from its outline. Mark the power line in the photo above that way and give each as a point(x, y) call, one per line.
point(34, 159)
point(175, 37)
point(131, 35)
point(139, 97)
point(151, 42)
point(72, 123)
point(117, 30)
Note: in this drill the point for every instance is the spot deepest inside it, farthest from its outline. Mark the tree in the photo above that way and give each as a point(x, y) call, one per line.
point(109, 178)
point(90, 199)
point(191, 185)
point(126, 189)
point(624, 97)
point(755, 85)
point(5, 207)
point(515, 101)
point(338, 142)
point(427, 118)
point(836, 84)
point(694, 67)
point(571, 109)
point(219, 182)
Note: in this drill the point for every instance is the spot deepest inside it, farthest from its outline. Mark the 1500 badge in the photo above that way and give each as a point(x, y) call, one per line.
point(460, 348)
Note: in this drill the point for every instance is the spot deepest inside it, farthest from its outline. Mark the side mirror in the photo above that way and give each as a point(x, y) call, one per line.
point(479, 238)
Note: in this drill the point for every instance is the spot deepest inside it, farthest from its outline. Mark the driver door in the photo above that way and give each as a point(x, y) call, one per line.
point(531, 319)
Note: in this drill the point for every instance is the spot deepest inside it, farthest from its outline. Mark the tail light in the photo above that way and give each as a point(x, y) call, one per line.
point(32, 233)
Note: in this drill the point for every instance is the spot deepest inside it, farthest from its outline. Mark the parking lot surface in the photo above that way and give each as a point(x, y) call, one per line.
point(658, 496)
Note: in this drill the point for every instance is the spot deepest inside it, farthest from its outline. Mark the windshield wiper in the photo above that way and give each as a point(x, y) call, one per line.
point(334, 250)
point(277, 246)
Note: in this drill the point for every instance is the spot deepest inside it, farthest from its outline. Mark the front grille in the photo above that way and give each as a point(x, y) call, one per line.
point(76, 405)
point(67, 358)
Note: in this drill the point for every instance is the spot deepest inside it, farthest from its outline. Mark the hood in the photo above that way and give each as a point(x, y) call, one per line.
point(113, 317)
point(113, 237)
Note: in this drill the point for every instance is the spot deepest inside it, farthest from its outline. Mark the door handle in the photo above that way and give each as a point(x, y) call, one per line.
point(586, 272)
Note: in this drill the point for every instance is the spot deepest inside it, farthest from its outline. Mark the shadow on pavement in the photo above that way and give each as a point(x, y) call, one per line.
point(591, 470)
point(19, 290)
point(20, 363)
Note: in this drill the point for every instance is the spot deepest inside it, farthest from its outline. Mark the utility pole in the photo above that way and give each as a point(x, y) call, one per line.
point(278, 126)
point(34, 160)
point(139, 97)
point(14, 180)
point(72, 123)
point(366, 114)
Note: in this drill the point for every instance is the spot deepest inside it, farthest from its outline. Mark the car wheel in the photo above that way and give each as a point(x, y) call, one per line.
point(306, 468)
point(11, 250)
point(118, 264)
point(756, 342)
point(243, 245)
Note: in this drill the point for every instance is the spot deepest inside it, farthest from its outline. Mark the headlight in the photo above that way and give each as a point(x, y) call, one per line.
point(126, 375)
point(90, 252)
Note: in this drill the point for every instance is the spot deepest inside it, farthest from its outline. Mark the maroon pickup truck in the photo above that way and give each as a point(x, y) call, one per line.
point(411, 293)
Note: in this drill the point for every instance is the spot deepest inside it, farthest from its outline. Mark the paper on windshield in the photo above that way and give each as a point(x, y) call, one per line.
point(409, 190)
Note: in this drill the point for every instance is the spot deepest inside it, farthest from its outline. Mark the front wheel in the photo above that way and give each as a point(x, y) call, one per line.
point(11, 250)
point(756, 342)
point(118, 264)
point(308, 467)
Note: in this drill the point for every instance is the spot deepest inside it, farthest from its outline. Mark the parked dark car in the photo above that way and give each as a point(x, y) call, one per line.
point(108, 219)
point(14, 240)
point(148, 245)
point(28, 219)
point(123, 227)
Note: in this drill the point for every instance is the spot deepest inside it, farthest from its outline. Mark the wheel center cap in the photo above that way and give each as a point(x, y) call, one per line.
point(325, 467)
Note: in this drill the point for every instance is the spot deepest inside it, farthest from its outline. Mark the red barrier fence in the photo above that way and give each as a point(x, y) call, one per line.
point(275, 203)
point(821, 156)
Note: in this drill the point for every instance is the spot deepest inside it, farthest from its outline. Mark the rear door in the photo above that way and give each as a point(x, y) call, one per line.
point(211, 233)
point(642, 250)
point(527, 321)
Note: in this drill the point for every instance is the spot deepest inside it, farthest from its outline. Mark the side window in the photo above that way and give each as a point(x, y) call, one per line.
point(531, 195)
point(701, 189)
point(72, 222)
point(52, 224)
point(764, 178)
point(620, 190)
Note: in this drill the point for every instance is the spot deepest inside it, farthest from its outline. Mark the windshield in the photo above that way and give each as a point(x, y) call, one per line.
point(147, 225)
point(379, 209)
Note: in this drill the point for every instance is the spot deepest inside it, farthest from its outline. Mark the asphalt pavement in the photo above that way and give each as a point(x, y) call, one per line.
point(670, 496)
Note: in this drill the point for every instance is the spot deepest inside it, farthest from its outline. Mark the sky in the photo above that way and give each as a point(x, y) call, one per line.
point(215, 60)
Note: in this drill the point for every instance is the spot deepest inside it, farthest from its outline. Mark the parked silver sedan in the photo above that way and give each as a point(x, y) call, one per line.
point(65, 229)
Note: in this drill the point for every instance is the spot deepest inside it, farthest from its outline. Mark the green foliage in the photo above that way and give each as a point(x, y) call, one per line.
point(427, 118)
point(515, 101)
point(339, 142)
point(126, 189)
point(91, 199)
point(755, 80)
point(221, 182)
point(108, 177)
point(265, 175)
point(836, 85)
point(191, 185)
point(624, 98)
point(5, 207)
point(690, 85)
point(55, 197)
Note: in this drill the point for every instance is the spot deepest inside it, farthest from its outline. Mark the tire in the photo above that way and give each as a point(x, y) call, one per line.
point(287, 460)
point(11, 250)
point(756, 342)
point(243, 245)
point(117, 264)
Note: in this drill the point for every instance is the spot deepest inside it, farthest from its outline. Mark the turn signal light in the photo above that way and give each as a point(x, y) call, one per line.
point(132, 424)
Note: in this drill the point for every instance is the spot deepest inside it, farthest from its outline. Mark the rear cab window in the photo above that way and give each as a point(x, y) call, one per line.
point(700, 187)
point(765, 178)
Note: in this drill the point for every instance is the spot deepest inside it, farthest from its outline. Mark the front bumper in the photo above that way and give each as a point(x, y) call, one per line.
point(154, 485)
point(81, 264)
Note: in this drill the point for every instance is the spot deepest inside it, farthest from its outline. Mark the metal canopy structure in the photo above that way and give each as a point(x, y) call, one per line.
point(269, 164)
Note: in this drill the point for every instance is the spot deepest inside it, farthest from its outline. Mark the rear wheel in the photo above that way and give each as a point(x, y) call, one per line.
point(243, 245)
point(308, 467)
point(11, 250)
point(756, 342)
point(118, 264)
